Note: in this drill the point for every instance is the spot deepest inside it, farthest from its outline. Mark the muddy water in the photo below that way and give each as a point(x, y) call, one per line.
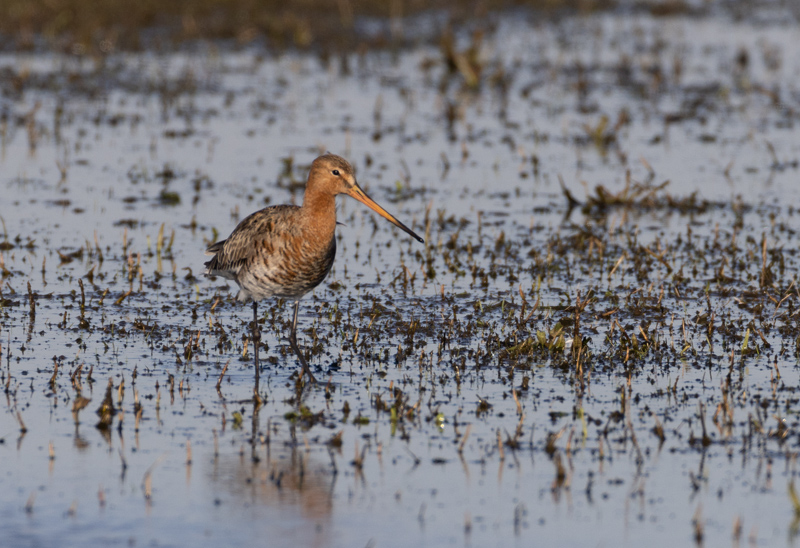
point(616, 372)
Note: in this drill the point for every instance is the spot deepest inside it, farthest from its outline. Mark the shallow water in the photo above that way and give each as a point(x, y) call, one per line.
point(691, 329)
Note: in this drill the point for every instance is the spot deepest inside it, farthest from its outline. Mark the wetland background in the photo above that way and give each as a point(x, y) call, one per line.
point(597, 344)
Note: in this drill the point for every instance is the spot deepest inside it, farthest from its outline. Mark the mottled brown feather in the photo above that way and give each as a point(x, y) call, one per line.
point(257, 229)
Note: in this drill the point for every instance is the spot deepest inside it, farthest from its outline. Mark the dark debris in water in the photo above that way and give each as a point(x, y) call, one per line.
point(641, 197)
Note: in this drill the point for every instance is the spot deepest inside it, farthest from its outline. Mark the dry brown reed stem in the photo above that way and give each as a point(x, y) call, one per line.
point(222, 375)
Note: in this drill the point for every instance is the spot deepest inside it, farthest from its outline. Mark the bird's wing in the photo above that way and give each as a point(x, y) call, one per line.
point(262, 229)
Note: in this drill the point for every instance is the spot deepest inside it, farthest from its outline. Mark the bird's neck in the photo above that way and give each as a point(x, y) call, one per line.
point(321, 207)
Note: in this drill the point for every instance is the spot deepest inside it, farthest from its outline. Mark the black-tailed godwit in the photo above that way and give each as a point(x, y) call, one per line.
point(286, 251)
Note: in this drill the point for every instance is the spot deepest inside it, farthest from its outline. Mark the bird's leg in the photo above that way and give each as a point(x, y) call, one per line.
point(256, 339)
point(293, 342)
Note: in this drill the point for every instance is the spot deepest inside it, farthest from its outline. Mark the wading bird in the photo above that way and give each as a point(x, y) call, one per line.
point(286, 251)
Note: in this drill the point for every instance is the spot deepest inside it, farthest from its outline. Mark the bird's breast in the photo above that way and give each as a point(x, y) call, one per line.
point(289, 268)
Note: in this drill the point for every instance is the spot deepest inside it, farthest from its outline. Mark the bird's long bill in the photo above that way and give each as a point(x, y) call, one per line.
point(358, 193)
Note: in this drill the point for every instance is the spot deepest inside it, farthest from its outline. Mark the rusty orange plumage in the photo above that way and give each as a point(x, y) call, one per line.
point(286, 251)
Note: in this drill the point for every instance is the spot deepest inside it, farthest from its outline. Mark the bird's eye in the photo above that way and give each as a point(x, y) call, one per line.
point(335, 172)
